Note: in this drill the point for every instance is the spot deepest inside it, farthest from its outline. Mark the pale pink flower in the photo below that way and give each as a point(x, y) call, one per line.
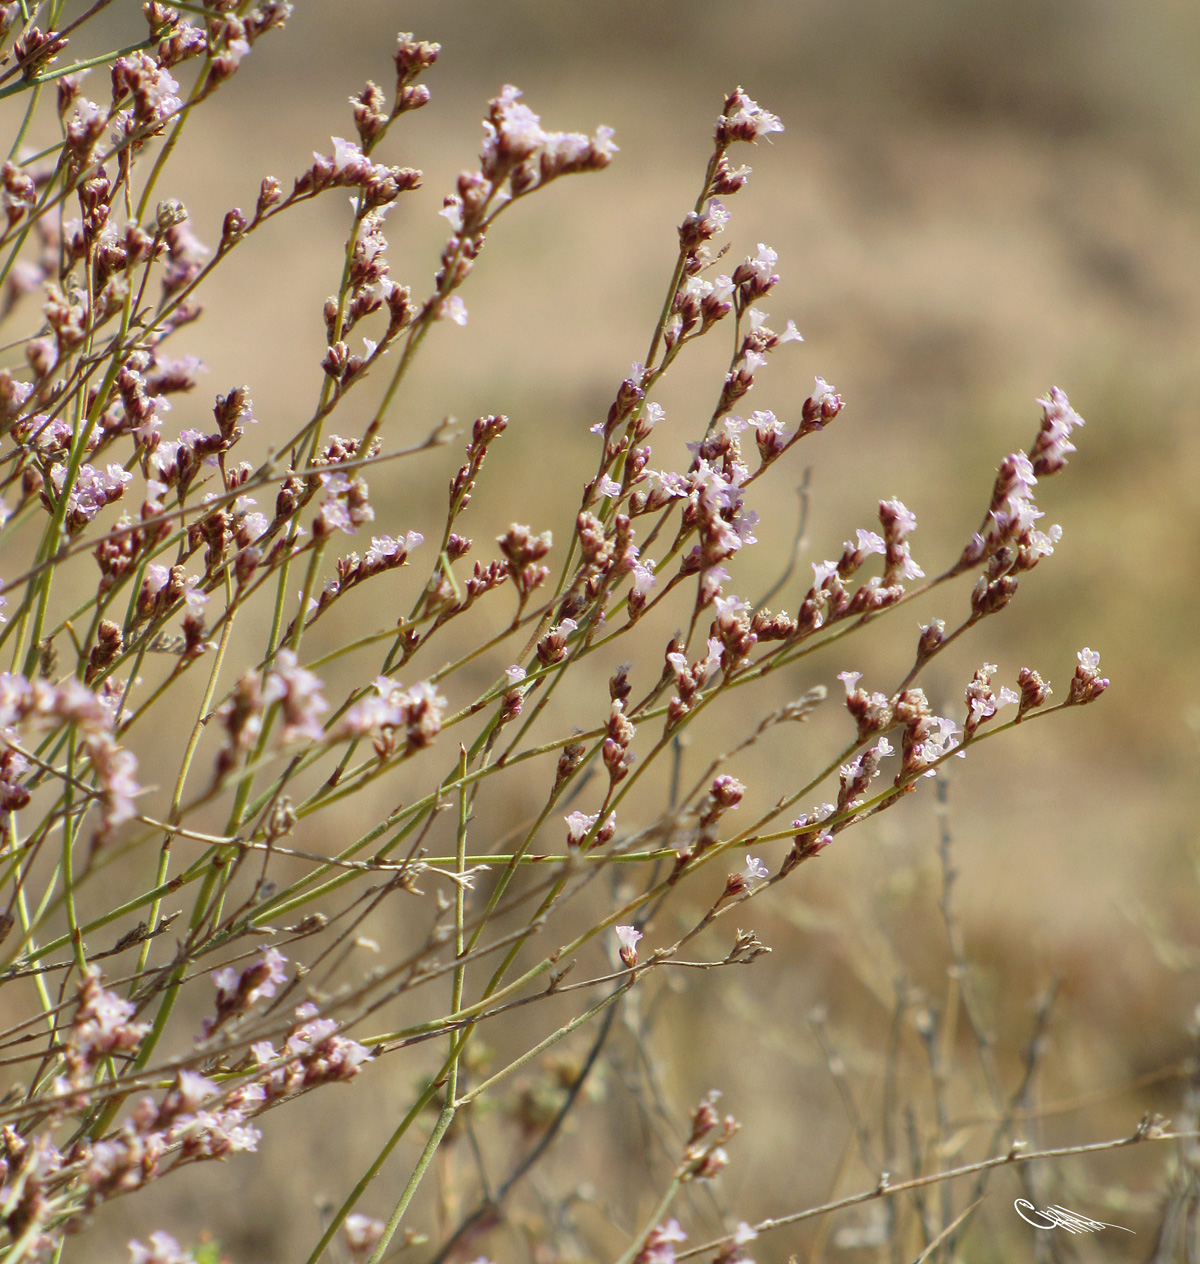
point(578, 825)
point(627, 938)
point(163, 1249)
point(299, 693)
point(643, 577)
point(745, 120)
point(363, 1234)
point(454, 309)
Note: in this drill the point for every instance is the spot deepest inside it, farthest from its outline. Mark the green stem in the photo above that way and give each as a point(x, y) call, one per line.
point(444, 1120)
point(539, 1049)
point(655, 1220)
point(39, 980)
point(68, 858)
point(175, 814)
point(372, 1172)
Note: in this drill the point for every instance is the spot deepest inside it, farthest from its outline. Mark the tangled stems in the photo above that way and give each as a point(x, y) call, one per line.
point(194, 570)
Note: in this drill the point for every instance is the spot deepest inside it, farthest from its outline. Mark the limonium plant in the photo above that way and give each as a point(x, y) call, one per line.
point(169, 947)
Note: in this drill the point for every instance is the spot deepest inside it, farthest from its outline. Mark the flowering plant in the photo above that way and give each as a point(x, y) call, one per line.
point(151, 1038)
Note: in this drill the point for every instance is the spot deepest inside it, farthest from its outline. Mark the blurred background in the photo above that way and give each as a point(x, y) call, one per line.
point(970, 203)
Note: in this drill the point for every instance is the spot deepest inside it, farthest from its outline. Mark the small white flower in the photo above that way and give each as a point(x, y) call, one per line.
point(717, 214)
point(850, 680)
point(578, 825)
point(868, 542)
point(822, 391)
point(643, 577)
point(627, 937)
point(453, 211)
point(823, 571)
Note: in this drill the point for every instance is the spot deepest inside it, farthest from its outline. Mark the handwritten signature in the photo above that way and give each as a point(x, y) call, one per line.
point(1054, 1217)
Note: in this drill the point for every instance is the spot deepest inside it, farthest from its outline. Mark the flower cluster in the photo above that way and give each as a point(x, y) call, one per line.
point(744, 120)
point(391, 711)
point(983, 702)
point(90, 492)
point(163, 1249)
point(28, 1169)
point(580, 827)
point(194, 1121)
point(704, 1154)
point(519, 156)
point(154, 94)
point(724, 795)
point(237, 993)
point(41, 705)
point(385, 554)
point(313, 1053)
point(854, 778)
point(659, 1247)
point(518, 149)
point(1052, 445)
point(1009, 541)
point(617, 756)
point(297, 692)
point(523, 551)
point(349, 168)
point(1087, 684)
point(101, 1027)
